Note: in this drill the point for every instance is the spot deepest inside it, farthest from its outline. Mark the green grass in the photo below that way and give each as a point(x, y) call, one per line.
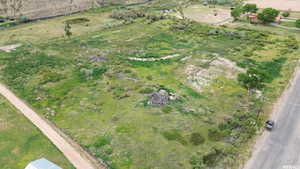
point(21, 142)
point(102, 106)
point(288, 24)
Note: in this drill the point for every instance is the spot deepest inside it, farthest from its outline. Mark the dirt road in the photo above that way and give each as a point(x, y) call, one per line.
point(78, 157)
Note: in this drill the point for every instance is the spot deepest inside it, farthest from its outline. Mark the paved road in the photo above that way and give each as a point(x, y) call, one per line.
point(73, 154)
point(280, 149)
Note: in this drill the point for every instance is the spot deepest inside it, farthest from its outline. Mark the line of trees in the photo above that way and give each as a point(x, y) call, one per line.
point(266, 16)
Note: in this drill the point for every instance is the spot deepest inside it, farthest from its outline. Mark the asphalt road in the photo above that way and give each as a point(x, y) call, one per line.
point(280, 148)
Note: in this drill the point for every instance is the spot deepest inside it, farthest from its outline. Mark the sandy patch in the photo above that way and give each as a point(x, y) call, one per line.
point(208, 15)
point(200, 77)
point(9, 48)
point(293, 5)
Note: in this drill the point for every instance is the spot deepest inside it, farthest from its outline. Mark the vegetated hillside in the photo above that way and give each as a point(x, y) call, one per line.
point(149, 91)
point(21, 142)
point(35, 9)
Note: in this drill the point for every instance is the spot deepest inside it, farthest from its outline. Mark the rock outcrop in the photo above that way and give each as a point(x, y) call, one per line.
point(159, 98)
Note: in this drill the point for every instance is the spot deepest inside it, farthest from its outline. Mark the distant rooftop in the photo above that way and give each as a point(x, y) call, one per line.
point(42, 164)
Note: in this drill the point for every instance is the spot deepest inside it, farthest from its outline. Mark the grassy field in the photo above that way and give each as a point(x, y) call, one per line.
point(21, 142)
point(288, 24)
point(102, 103)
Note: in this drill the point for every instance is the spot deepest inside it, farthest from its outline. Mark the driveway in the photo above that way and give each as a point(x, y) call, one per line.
point(280, 148)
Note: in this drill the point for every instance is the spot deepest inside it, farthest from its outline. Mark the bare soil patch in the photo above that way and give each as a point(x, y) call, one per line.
point(201, 76)
point(9, 48)
point(293, 5)
point(208, 15)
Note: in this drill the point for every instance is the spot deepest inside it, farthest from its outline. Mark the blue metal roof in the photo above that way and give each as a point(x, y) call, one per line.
point(44, 164)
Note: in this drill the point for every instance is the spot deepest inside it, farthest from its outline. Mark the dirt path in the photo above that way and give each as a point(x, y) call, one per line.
point(9, 48)
point(153, 59)
point(76, 155)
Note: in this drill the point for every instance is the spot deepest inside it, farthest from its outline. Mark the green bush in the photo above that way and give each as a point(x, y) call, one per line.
point(258, 74)
point(196, 162)
point(197, 139)
point(91, 73)
point(127, 14)
point(286, 14)
point(23, 19)
point(155, 17)
point(298, 23)
point(215, 135)
point(212, 158)
point(51, 76)
point(102, 141)
point(146, 91)
point(166, 109)
point(174, 135)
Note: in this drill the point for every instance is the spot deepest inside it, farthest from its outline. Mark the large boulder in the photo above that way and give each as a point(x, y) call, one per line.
point(159, 98)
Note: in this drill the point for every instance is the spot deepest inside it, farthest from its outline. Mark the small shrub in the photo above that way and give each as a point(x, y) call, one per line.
point(51, 76)
point(127, 14)
point(197, 162)
point(215, 135)
point(298, 23)
point(149, 77)
point(23, 19)
point(77, 21)
point(102, 141)
point(155, 17)
point(212, 158)
point(197, 139)
point(126, 128)
point(174, 135)
point(286, 14)
point(146, 91)
point(167, 109)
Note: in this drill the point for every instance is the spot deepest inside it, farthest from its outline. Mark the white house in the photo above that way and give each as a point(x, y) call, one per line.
point(42, 164)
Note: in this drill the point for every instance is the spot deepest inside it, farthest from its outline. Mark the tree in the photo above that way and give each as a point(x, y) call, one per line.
point(268, 15)
point(298, 23)
point(236, 13)
point(67, 29)
point(250, 8)
point(252, 79)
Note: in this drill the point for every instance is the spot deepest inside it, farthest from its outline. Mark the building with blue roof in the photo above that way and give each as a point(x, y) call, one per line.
point(42, 164)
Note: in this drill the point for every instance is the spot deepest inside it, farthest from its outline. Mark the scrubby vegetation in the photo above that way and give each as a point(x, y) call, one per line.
point(88, 86)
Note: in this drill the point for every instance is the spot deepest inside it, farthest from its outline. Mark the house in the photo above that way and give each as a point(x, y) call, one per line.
point(254, 19)
point(42, 164)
